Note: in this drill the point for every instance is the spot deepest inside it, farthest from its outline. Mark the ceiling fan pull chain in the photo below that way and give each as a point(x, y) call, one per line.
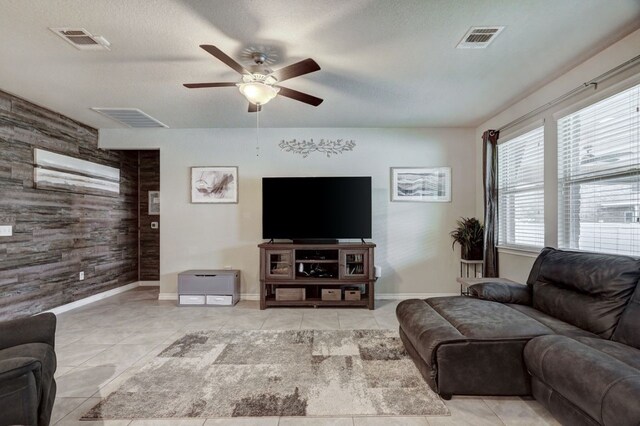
point(258, 132)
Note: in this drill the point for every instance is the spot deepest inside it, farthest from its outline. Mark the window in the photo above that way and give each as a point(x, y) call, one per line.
point(598, 176)
point(521, 191)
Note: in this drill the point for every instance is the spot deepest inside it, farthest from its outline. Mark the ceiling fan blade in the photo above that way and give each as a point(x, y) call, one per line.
point(224, 58)
point(254, 107)
point(201, 85)
point(299, 96)
point(294, 70)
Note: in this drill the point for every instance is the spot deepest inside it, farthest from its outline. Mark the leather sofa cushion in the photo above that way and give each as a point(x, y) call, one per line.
point(619, 351)
point(588, 290)
point(425, 328)
point(558, 326)
point(483, 319)
point(628, 329)
point(593, 375)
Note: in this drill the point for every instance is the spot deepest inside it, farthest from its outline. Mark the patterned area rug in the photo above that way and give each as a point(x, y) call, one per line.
point(275, 373)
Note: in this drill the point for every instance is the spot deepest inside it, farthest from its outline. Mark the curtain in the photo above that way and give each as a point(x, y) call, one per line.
point(489, 174)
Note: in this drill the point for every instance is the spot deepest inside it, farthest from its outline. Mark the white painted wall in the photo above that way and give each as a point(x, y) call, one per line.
point(516, 266)
point(414, 247)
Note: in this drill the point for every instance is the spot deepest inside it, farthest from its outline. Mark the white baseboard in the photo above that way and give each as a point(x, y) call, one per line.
point(149, 283)
point(168, 296)
point(91, 299)
point(380, 296)
point(250, 296)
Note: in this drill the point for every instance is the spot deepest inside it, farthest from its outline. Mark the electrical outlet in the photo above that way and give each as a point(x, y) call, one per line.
point(6, 231)
point(81, 275)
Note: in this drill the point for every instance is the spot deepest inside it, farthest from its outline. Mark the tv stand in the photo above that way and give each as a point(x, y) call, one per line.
point(312, 267)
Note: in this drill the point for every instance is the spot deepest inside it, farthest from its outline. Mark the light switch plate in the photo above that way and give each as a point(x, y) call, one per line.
point(6, 230)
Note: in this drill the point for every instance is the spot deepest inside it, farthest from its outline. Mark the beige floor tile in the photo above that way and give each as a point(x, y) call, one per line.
point(75, 354)
point(286, 321)
point(106, 336)
point(61, 370)
point(515, 411)
point(358, 323)
point(467, 411)
point(244, 421)
point(73, 418)
point(168, 422)
point(206, 324)
point(541, 411)
point(316, 421)
point(85, 381)
point(243, 323)
point(320, 322)
point(387, 321)
point(120, 356)
point(149, 337)
point(63, 406)
point(390, 421)
point(66, 336)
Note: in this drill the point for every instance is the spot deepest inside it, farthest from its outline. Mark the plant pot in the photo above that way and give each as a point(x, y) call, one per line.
point(472, 253)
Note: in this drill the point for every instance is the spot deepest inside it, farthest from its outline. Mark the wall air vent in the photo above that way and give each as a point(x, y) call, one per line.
point(82, 39)
point(130, 117)
point(479, 37)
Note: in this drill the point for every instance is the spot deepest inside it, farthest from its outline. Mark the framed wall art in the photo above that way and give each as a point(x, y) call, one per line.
point(425, 184)
point(216, 185)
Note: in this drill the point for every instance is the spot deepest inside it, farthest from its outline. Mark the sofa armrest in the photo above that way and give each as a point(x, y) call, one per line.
point(20, 388)
point(502, 291)
point(11, 368)
point(36, 329)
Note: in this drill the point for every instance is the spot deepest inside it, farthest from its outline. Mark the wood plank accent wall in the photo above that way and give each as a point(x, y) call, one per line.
point(58, 234)
point(149, 238)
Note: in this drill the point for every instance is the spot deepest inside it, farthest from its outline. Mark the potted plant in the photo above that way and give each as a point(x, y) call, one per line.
point(470, 235)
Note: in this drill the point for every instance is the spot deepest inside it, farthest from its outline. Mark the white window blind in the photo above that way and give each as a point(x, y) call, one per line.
point(598, 176)
point(521, 191)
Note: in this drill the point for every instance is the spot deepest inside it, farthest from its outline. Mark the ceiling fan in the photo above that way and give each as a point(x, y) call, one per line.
point(260, 84)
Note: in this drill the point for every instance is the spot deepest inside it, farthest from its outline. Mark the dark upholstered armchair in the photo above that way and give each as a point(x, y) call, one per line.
point(27, 364)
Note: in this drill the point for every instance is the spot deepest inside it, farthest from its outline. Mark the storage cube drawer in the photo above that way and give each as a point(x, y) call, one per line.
point(219, 300)
point(192, 299)
point(331, 294)
point(290, 294)
point(352, 295)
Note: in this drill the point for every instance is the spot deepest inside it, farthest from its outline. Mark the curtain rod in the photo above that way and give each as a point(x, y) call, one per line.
point(584, 86)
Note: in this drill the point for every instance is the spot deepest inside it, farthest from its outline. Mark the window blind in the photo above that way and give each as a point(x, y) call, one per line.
point(598, 176)
point(521, 191)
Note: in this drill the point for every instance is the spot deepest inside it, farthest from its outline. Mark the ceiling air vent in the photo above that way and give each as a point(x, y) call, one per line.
point(131, 117)
point(82, 39)
point(479, 37)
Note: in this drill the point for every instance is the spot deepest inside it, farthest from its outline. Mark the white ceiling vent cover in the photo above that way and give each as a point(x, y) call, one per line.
point(479, 37)
point(131, 117)
point(82, 39)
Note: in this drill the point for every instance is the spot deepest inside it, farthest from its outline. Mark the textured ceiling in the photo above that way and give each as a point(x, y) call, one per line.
point(384, 63)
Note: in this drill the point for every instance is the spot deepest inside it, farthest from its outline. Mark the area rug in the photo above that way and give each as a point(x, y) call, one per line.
point(254, 373)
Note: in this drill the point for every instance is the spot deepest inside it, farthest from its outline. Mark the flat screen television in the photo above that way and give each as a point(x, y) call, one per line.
point(316, 208)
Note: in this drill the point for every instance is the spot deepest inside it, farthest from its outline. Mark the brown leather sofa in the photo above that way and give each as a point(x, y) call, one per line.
point(570, 337)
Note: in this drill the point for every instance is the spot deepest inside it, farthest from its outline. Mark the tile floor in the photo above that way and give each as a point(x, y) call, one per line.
point(100, 345)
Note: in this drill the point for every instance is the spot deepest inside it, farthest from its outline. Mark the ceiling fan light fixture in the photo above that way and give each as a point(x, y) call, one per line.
point(257, 92)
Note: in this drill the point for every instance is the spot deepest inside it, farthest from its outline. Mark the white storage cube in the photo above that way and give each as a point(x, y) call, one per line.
point(192, 299)
point(219, 300)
